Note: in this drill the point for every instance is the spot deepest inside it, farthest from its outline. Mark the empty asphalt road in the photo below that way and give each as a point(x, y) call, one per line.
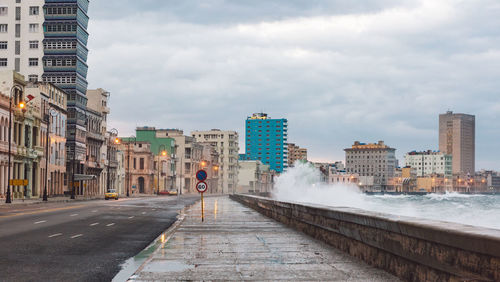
point(80, 241)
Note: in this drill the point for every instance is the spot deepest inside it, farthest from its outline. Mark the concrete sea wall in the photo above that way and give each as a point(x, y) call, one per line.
point(410, 248)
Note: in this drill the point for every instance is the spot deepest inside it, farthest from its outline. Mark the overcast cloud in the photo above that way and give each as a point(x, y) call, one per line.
point(339, 71)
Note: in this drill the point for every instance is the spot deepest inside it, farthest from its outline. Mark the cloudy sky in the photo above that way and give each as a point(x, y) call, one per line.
point(339, 71)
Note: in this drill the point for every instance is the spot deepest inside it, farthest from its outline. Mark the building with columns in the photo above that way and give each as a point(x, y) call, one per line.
point(51, 101)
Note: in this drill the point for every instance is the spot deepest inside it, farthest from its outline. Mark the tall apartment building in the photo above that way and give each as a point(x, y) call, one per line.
point(372, 159)
point(21, 37)
point(226, 143)
point(266, 141)
point(429, 163)
point(296, 153)
point(457, 133)
point(47, 39)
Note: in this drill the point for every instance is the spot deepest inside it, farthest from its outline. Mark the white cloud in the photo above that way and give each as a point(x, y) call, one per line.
point(381, 74)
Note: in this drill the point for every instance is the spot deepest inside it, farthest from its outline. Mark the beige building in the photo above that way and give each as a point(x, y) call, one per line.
point(457, 138)
point(376, 160)
point(296, 153)
point(21, 37)
point(187, 159)
point(226, 143)
point(51, 101)
point(139, 171)
point(26, 144)
point(254, 177)
point(429, 162)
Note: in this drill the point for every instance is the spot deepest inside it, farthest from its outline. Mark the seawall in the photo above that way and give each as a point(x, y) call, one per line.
point(411, 248)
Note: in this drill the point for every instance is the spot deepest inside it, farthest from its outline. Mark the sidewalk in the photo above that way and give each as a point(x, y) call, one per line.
point(237, 243)
point(63, 199)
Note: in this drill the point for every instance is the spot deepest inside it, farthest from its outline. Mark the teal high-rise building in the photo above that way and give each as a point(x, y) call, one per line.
point(266, 141)
point(65, 64)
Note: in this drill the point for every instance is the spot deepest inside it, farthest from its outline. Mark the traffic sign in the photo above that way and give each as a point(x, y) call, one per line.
point(201, 187)
point(201, 175)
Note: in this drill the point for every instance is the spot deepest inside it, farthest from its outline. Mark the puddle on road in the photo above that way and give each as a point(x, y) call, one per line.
point(130, 266)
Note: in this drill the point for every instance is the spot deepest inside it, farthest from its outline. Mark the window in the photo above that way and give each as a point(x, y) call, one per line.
point(33, 78)
point(3, 45)
point(34, 44)
point(3, 28)
point(141, 163)
point(33, 27)
point(18, 13)
point(33, 62)
point(3, 11)
point(34, 11)
point(3, 62)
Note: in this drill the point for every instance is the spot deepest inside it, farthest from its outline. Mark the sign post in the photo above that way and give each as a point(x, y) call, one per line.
point(201, 186)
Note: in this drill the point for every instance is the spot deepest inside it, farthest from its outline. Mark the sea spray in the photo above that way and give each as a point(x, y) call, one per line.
point(302, 184)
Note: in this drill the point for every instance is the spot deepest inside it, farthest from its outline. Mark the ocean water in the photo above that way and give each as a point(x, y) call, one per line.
point(301, 184)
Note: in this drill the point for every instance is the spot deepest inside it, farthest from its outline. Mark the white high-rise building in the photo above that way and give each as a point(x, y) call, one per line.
point(21, 37)
point(429, 162)
point(226, 143)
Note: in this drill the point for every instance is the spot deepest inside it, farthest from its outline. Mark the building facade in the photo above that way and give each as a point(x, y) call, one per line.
point(21, 37)
point(254, 177)
point(295, 153)
point(457, 133)
point(26, 146)
point(52, 103)
point(429, 162)
point(376, 160)
point(266, 141)
point(227, 146)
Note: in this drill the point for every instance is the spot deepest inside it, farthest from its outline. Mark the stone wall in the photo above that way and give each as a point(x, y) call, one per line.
point(413, 249)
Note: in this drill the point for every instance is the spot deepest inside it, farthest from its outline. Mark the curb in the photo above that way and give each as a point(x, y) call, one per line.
point(166, 235)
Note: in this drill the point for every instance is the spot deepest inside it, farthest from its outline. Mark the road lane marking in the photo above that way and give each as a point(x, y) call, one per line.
point(111, 224)
point(75, 214)
point(41, 221)
point(131, 217)
point(55, 235)
point(41, 211)
point(143, 212)
point(76, 236)
point(94, 211)
point(94, 224)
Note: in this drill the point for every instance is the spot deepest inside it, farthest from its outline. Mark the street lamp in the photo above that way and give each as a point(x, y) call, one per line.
point(52, 113)
point(128, 162)
point(163, 153)
point(21, 105)
point(112, 132)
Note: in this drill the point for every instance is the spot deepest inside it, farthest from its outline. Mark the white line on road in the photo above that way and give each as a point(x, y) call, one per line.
point(94, 211)
point(131, 217)
point(111, 224)
point(55, 235)
point(143, 212)
point(42, 221)
point(76, 236)
point(75, 214)
point(94, 224)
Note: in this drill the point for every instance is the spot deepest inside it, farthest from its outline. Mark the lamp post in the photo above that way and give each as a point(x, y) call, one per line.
point(51, 112)
point(128, 163)
point(163, 153)
point(112, 132)
point(21, 105)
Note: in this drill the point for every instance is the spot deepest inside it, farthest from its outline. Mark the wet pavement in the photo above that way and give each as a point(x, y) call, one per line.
point(237, 243)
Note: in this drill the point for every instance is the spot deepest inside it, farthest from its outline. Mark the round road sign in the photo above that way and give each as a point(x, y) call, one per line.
point(201, 175)
point(201, 187)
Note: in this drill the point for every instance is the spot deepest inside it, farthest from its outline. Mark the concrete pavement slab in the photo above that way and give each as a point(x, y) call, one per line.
point(237, 243)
